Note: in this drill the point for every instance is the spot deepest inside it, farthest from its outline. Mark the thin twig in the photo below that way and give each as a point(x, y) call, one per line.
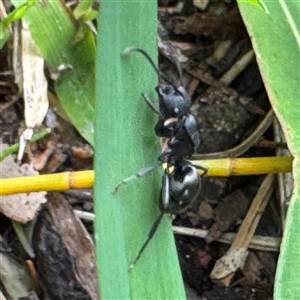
point(258, 242)
point(245, 145)
point(84, 215)
point(235, 257)
point(237, 68)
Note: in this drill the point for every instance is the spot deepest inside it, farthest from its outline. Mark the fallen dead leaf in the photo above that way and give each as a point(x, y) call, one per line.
point(229, 212)
point(205, 211)
point(201, 4)
point(252, 267)
point(19, 207)
point(40, 159)
point(34, 86)
point(77, 241)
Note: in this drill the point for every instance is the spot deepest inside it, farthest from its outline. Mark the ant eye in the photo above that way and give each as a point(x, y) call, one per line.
point(178, 93)
point(167, 90)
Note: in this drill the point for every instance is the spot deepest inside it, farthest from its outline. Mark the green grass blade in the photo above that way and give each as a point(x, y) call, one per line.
point(276, 41)
point(15, 147)
point(54, 30)
point(15, 15)
point(257, 3)
point(125, 143)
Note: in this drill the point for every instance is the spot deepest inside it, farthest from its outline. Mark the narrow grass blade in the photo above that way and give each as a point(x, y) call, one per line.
point(54, 30)
point(125, 143)
point(276, 42)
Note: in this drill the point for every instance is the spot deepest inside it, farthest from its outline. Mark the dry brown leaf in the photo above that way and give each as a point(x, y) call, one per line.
point(34, 87)
point(39, 160)
point(20, 207)
point(213, 234)
point(252, 267)
point(77, 241)
point(34, 81)
point(229, 212)
point(232, 209)
point(201, 4)
point(205, 211)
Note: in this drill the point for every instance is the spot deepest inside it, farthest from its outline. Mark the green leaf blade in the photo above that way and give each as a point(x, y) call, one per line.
point(125, 143)
point(257, 3)
point(54, 28)
point(276, 42)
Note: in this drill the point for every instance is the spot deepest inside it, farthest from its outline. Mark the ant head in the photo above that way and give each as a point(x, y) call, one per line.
point(173, 102)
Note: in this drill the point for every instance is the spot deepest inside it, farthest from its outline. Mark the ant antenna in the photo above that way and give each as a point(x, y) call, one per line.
point(142, 51)
point(150, 236)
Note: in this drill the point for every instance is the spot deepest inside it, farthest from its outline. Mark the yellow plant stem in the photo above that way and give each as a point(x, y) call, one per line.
point(50, 182)
point(246, 166)
point(85, 179)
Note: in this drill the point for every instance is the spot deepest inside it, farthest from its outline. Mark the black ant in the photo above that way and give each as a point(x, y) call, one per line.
point(181, 183)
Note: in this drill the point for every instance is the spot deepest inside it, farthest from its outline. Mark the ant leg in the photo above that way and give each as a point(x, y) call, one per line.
point(150, 236)
point(204, 169)
point(151, 104)
point(141, 173)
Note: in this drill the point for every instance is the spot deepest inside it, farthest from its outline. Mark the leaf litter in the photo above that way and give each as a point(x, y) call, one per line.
point(19, 207)
point(207, 38)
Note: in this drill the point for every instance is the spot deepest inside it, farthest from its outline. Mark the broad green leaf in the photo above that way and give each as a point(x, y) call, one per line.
point(276, 42)
point(54, 30)
point(125, 143)
point(257, 3)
